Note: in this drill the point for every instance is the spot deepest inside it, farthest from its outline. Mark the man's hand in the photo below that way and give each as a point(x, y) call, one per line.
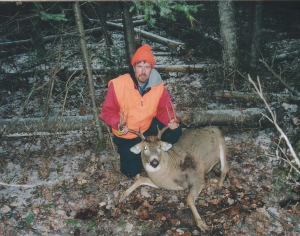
point(172, 124)
point(123, 131)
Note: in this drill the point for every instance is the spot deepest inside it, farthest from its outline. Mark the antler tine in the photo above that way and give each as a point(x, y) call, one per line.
point(174, 113)
point(160, 132)
point(176, 120)
point(168, 114)
point(137, 133)
point(121, 124)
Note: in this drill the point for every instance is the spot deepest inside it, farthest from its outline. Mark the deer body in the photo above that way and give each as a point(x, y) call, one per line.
point(184, 165)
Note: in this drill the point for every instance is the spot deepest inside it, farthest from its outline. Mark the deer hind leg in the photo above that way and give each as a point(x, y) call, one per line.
point(139, 182)
point(224, 165)
point(216, 169)
point(194, 191)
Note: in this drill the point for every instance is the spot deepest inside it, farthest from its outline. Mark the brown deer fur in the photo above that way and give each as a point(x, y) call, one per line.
point(184, 165)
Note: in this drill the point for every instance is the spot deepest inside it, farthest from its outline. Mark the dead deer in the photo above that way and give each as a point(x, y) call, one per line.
point(184, 165)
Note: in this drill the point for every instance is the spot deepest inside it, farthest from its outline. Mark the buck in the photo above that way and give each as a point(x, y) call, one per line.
point(184, 165)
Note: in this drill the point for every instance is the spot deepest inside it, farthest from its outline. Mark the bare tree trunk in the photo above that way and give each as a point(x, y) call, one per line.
point(88, 68)
point(128, 33)
point(228, 34)
point(256, 34)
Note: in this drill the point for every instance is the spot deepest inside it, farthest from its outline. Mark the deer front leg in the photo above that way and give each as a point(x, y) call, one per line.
point(139, 182)
point(192, 195)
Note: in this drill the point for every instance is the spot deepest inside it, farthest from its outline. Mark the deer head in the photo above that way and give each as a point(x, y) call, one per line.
point(151, 147)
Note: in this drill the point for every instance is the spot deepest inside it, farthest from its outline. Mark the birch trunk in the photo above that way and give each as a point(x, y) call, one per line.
point(228, 34)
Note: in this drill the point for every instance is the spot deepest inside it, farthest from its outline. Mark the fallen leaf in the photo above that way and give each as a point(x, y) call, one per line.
point(230, 201)
point(236, 219)
point(128, 227)
point(283, 216)
point(234, 210)
point(203, 203)
point(175, 222)
point(159, 198)
point(122, 205)
point(187, 234)
point(144, 192)
point(179, 231)
point(260, 230)
point(5, 209)
point(226, 226)
point(215, 201)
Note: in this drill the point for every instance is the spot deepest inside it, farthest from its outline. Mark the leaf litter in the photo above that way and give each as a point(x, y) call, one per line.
point(78, 187)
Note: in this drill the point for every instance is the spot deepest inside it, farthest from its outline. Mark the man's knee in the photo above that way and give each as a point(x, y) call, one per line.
point(172, 136)
point(130, 163)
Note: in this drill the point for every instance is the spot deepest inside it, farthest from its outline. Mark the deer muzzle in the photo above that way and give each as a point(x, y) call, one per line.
point(154, 163)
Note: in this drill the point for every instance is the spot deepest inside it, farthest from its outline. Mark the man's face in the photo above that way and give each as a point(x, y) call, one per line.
point(142, 71)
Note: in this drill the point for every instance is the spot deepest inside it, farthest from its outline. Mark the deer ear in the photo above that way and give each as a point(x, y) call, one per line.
point(165, 146)
point(136, 149)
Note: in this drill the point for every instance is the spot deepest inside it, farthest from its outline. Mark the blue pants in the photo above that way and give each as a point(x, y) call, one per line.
point(131, 164)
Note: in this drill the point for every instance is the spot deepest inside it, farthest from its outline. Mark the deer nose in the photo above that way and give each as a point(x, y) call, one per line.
point(154, 163)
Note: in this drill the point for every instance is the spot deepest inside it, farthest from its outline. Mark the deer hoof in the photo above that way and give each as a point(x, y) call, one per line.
point(122, 198)
point(203, 226)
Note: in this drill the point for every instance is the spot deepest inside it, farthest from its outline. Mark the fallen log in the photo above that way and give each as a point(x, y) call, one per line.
point(51, 37)
point(160, 68)
point(162, 53)
point(134, 18)
point(253, 96)
point(135, 22)
point(46, 126)
point(239, 118)
point(48, 38)
point(81, 124)
point(155, 38)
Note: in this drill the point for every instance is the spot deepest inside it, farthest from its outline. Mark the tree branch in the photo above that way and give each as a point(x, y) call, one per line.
point(273, 115)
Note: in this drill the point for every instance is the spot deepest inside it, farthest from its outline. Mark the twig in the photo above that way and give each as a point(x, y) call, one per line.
point(53, 80)
point(286, 160)
point(273, 115)
point(279, 78)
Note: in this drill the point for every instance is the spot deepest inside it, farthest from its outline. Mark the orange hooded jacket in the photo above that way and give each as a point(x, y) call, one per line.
point(140, 109)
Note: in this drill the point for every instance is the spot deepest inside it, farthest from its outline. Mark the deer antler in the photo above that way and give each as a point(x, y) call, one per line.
point(121, 125)
point(160, 132)
point(174, 113)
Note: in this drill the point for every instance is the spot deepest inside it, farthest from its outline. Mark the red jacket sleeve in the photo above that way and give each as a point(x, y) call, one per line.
point(110, 109)
point(164, 102)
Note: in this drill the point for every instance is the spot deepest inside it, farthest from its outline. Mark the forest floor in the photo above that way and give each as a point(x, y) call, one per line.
point(79, 187)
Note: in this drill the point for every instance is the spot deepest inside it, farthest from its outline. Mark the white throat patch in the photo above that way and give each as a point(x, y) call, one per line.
point(151, 168)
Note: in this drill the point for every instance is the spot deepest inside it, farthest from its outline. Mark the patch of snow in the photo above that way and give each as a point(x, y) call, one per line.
point(196, 83)
point(263, 141)
point(292, 107)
